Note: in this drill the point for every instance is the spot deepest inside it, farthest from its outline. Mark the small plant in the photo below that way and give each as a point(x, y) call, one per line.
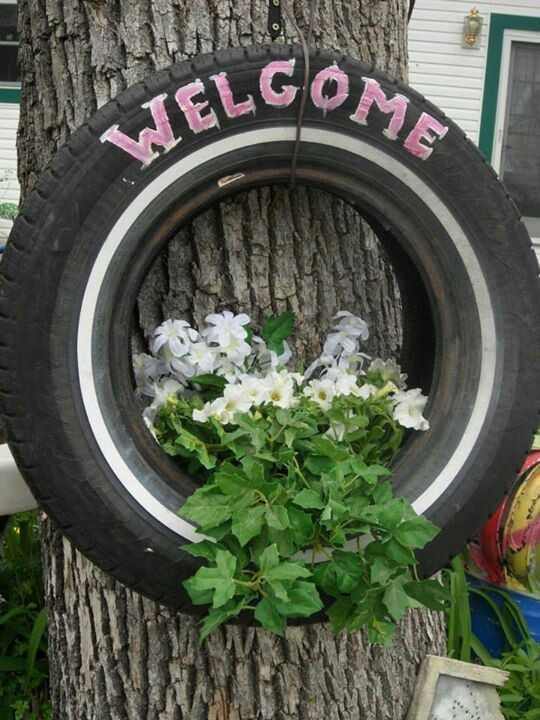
point(295, 507)
point(23, 624)
point(520, 696)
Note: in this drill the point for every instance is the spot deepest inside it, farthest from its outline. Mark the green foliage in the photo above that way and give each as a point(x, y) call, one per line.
point(294, 517)
point(8, 211)
point(520, 696)
point(23, 625)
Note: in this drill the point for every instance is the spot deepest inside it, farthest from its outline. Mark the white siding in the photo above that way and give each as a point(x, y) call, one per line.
point(9, 188)
point(449, 75)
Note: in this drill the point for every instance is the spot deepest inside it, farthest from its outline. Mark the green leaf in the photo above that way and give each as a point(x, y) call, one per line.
point(207, 510)
point(209, 380)
point(396, 600)
point(39, 629)
point(309, 499)
point(395, 551)
point(276, 330)
point(195, 445)
point(301, 525)
point(381, 632)
point(247, 523)
point(268, 559)
point(381, 571)
point(340, 613)
point(430, 593)
point(231, 480)
point(416, 533)
point(287, 571)
point(269, 617)
point(219, 579)
point(277, 517)
point(218, 616)
point(304, 600)
point(204, 549)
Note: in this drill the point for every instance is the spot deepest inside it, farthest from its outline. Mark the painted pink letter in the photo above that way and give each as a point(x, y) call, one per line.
point(428, 129)
point(232, 109)
point(288, 92)
point(197, 122)
point(142, 149)
point(330, 74)
point(373, 94)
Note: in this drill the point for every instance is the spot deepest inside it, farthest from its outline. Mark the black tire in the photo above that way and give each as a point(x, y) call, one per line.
point(91, 227)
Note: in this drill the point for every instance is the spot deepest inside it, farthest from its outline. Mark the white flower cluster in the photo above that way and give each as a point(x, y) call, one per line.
point(256, 375)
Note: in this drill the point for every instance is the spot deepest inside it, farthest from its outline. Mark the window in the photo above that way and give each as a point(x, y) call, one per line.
point(510, 127)
point(9, 44)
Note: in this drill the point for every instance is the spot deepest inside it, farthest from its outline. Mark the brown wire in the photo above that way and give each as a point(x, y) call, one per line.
point(303, 100)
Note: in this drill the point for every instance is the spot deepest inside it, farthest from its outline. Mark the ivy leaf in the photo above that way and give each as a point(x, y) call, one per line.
point(268, 559)
point(340, 612)
point(192, 443)
point(430, 593)
point(277, 329)
point(304, 600)
point(380, 571)
point(309, 499)
point(218, 616)
point(381, 632)
point(207, 510)
point(204, 549)
point(396, 600)
point(220, 579)
point(391, 514)
point(396, 552)
point(231, 480)
point(209, 380)
point(287, 571)
point(269, 617)
point(277, 517)
point(301, 525)
point(416, 533)
point(247, 523)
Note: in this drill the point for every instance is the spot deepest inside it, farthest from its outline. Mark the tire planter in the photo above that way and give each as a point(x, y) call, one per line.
point(166, 149)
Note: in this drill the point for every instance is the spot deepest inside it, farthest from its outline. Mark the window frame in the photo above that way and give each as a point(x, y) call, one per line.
point(10, 92)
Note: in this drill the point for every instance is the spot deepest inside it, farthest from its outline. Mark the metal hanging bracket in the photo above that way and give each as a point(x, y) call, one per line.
point(275, 20)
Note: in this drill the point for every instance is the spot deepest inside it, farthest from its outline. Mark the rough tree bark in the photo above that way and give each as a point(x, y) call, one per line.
point(115, 655)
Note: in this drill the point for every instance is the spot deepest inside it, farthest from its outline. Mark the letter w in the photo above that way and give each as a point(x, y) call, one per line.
point(142, 149)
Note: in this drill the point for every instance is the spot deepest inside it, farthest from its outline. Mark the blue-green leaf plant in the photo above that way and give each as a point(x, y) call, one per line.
point(296, 511)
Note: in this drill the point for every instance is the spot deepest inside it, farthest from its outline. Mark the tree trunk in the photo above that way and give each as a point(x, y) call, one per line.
point(113, 653)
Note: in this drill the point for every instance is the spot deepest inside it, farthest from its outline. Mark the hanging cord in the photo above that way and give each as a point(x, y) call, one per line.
point(305, 42)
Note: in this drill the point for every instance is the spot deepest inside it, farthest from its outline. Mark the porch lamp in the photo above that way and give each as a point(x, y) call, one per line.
point(471, 28)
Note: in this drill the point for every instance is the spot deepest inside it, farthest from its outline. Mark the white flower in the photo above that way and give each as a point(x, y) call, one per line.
point(256, 388)
point(235, 349)
point(389, 370)
point(339, 342)
point(235, 399)
point(150, 426)
point(176, 335)
point(366, 391)
point(322, 392)
point(162, 392)
point(146, 370)
point(353, 324)
point(225, 325)
point(280, 387)
point(346, 383)
point(202, 357)
point(408, 409)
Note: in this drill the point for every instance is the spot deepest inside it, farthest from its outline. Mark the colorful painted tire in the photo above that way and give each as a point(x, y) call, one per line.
point(186, 138)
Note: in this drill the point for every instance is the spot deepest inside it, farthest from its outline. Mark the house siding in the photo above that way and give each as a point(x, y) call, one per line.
point(9, 187)
point(449, 75)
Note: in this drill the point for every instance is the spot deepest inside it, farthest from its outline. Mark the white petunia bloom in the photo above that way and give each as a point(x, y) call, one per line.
point(346, 383)
point(340, 342)
point(163, 390)
point(280, 387)
point(235, 399)
point(352, 324)
point(256, 388)
point(389, 370)
point(408, 409)
point(176, 335)
point(235, 349)
point(322, 392)
point(366, 391)
point(203, 357)
point(224, 326)
point(146, 370)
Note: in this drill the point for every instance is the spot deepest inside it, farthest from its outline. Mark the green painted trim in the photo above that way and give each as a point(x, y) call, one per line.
point(10, 95)
point(498, 24)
